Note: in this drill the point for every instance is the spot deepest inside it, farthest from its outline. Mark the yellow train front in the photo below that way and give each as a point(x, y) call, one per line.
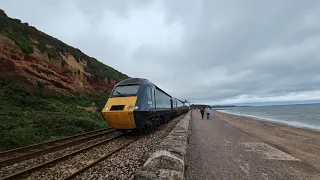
point(136, 103)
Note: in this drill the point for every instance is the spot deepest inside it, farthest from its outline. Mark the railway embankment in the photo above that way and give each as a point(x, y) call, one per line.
point(99, 154)
point(168, 161)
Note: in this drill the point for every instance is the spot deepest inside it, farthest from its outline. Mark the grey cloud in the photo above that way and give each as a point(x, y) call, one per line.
point(252, 31)
point(224, 51)
point(120, 7)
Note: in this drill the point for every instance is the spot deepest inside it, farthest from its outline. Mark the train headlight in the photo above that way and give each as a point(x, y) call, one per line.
point(131, 107)
point(105, 108)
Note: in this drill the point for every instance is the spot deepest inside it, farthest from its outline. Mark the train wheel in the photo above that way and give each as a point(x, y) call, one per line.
point(156, 121)
point(124, 131)
point(166, 119)
point(147, 128)
point(161, 119)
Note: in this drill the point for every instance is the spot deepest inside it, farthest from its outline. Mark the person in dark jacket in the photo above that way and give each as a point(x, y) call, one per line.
point(202, 112)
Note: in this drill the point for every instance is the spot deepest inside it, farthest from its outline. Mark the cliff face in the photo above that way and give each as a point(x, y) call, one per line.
point(42, 60)
point(198, 106)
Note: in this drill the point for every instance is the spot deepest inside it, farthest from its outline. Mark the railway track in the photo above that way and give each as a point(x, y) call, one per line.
point(24, 153)
point(78, 161)
point(26, 172)
point(97, 160)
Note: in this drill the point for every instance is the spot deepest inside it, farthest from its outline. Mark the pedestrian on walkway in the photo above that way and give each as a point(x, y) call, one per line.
point(208, 111)
point(202, 112)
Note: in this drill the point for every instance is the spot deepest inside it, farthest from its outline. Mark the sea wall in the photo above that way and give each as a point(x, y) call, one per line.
point(168, 161)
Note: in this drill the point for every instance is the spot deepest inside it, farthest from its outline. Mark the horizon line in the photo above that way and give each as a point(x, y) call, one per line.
point(264, 103)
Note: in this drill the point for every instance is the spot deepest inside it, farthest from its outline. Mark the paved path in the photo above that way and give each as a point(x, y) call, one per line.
point(218, 150)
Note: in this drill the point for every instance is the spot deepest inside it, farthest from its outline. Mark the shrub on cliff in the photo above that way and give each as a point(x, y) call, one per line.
point(42, 47)
point(100, 71)
point(40, 84)
point(23, 42)
point(2, 13)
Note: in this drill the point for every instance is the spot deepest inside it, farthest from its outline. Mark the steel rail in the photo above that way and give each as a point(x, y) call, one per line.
point(44, 148)
point(56, 160)
point(73, 175)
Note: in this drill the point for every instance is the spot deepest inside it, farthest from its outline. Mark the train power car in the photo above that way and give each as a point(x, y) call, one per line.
point(136, 103)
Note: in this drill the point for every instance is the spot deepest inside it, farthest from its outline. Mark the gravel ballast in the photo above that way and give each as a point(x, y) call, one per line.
point(66, 167)
point(14, 168)
point(123, 164)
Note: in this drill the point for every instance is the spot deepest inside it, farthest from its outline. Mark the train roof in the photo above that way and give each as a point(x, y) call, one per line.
point(143, 81)
point(134, 81)
point(139, 81)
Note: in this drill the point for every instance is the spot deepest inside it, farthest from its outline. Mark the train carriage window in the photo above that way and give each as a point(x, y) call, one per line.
point(127, 90)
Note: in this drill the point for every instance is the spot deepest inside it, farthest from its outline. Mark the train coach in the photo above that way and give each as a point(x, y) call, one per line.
point(136, 103)
point(179, 107)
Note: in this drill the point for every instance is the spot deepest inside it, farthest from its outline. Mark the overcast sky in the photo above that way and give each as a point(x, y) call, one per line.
point(204, 51)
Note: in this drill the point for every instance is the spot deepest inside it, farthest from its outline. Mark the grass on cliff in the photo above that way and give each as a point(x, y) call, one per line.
point(29, 115)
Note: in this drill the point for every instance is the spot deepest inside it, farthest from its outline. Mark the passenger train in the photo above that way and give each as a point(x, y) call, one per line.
point(136, 103)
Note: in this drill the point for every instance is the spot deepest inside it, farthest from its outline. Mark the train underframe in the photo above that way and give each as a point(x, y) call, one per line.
point(146, 121)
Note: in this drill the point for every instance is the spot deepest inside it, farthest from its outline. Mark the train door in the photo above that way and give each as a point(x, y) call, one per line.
point(171, 103)
point(150, 98)
point(153, 97)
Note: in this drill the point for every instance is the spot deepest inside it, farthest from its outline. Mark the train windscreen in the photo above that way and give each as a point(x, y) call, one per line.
point(125, 90)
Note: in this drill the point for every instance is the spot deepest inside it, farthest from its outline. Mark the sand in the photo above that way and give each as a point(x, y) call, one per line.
point(301, 143)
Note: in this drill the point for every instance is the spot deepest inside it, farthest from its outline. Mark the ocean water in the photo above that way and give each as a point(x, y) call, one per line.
point(302, 116)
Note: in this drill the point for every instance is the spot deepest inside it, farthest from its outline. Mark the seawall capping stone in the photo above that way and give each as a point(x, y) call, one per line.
point(168, 161)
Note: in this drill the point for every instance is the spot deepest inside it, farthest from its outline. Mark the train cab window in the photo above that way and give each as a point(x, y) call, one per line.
point(125, 90)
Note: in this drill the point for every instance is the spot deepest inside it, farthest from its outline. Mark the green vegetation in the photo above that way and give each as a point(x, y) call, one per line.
point(30, 115)
point(21, 34)
point(40, 84)
point(42, 47)
point(100, 71)
point(23, 42)
point(63, 63)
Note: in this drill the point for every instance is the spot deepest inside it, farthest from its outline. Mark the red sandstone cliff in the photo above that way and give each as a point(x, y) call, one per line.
point(62, 73)
point(37, 67)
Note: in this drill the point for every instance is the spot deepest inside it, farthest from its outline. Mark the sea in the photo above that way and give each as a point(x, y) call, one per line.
point(305, 116)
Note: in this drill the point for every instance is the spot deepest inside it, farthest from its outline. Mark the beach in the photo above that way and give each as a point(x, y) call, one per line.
point(301, 143)
point(227, 146)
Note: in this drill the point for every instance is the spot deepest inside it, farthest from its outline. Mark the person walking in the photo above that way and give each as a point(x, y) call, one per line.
point(202, 112)
point(208, 111)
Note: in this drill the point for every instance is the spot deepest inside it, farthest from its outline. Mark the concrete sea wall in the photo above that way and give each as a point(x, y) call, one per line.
point(168, 162)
